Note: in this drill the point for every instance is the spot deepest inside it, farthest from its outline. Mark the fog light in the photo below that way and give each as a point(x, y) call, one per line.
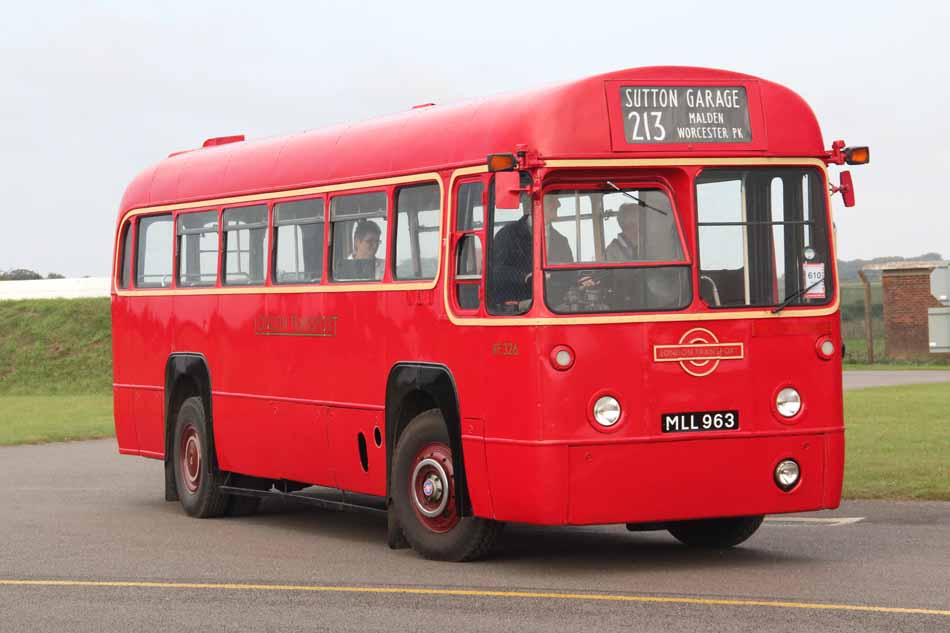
point(788, 402)
point(787, 474)
point(606, 411)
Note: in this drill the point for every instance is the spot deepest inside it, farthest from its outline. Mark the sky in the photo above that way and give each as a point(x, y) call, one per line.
point(92, 93)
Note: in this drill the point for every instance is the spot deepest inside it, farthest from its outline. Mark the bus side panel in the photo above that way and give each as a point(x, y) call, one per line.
point(476, 470)
point(147, 337)
point(529, 484)
point(345, 428)
point(123, 407)
point(246, 435)
point(123, 403)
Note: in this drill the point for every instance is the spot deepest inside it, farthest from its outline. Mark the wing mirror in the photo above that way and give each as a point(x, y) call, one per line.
point(846, 187)
point(508, 190)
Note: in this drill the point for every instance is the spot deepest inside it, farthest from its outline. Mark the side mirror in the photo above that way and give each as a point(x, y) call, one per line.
point(847, 188)
point(508, 190)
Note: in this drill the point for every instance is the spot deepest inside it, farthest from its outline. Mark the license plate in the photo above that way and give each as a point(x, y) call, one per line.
point(700, 421)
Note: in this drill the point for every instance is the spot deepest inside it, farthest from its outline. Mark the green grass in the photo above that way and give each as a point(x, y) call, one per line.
point(34, 419)
point(898, 443)
point(55, 346)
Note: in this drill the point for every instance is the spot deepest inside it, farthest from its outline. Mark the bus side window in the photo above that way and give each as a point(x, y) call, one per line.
point(358, 236)
point(418, 231)
point(298, 241)
point(245, 237)
point(125, 256)
point(198, 249)
point(153, 263)
point(470, 223)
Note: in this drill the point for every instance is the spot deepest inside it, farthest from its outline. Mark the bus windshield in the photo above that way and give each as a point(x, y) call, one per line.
point(613, 250)
point(762, 237)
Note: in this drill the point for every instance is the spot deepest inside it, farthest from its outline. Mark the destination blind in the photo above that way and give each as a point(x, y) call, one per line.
point(685, 114)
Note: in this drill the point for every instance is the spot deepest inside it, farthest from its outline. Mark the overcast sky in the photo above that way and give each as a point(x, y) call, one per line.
point(94, 92)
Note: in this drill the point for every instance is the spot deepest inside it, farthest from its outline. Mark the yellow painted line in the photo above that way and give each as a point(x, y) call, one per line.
point(477, 593)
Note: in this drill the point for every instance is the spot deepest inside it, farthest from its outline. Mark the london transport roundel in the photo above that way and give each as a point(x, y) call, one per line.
point(698, 352)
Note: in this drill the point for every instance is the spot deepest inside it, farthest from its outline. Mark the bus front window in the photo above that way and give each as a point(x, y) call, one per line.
point(762, 237)
point(613, 250)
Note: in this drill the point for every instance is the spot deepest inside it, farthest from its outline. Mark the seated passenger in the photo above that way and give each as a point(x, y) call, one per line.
point(366, 265)
point(626, 246)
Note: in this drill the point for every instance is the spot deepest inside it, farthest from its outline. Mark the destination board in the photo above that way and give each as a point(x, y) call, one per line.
point(685, 114)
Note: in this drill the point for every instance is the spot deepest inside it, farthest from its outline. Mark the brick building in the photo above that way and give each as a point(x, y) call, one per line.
point(907, 299)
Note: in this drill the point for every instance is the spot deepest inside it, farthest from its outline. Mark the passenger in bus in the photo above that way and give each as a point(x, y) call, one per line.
point(558, 248)
point(366, 237)
point(626, 246)
point(511, 264)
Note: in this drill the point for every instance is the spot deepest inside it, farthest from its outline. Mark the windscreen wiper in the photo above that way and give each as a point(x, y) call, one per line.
point(633, 197)
point(794, 296)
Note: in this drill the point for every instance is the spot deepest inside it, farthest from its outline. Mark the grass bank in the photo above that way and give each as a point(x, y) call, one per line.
point(33, 419)
point(55, 347)
point(898, 442)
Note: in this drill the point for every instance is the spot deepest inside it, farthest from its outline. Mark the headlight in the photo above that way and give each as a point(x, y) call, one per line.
point(786, 474)
point(606, 411)
point(788, 402)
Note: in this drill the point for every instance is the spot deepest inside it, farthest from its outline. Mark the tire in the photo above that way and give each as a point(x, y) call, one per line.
point(715, 533)
point(424, 500)
point(196, 480)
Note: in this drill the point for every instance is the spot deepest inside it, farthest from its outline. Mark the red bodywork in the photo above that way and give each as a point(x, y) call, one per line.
point(291, 406)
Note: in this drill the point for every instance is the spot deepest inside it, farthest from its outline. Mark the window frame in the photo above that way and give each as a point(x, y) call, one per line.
point(275, 241)
point(138, 243)
point(414, 244)
point(625, 183)
point(454, 280)
point(385, 235)
point(176, 273)
point(819, 194)
point(223, 242)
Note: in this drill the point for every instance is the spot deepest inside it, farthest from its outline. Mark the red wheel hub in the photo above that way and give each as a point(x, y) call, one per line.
point(190, 458)
point(432, 487)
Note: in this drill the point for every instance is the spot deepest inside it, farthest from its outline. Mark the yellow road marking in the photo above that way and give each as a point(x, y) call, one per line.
point(545, 595)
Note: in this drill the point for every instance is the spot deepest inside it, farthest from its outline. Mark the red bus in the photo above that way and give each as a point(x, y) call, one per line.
point(608, 301)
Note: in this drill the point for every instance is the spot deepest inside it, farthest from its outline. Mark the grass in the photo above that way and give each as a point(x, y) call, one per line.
point(898, 443)
point(35, 419)
point(55, 346)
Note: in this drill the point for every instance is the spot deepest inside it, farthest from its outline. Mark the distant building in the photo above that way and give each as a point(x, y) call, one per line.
point(55, 288)
point(916, 308)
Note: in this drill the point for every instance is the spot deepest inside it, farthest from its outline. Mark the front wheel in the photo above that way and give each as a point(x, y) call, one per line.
point(425, 496)
point(715, 533)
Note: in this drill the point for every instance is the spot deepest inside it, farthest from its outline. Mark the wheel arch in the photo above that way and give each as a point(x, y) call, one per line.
point(186, 375)
point(414, 387)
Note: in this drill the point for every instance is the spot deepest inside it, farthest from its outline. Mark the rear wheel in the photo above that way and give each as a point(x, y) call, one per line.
point(425, 496)
point(715, 533)
point(196, 478)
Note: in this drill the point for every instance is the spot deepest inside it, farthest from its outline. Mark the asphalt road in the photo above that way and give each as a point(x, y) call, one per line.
point(82, 516)
point(865, 379)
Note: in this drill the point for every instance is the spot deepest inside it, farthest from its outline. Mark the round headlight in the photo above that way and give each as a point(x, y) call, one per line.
point(606, 411)
point(788, 402)
point(787, 473)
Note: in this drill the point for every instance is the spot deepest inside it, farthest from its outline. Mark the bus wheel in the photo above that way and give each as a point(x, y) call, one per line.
point(715, 533)
point(197, 484)
point(424, 495)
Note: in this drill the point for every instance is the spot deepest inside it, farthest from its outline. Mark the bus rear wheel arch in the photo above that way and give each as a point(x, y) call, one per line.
point(423, 488)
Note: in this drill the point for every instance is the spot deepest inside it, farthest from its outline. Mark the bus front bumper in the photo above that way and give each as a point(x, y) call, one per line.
point(639, 481)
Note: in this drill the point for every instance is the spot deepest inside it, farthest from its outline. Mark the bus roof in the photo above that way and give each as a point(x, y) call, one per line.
point(569, 120)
